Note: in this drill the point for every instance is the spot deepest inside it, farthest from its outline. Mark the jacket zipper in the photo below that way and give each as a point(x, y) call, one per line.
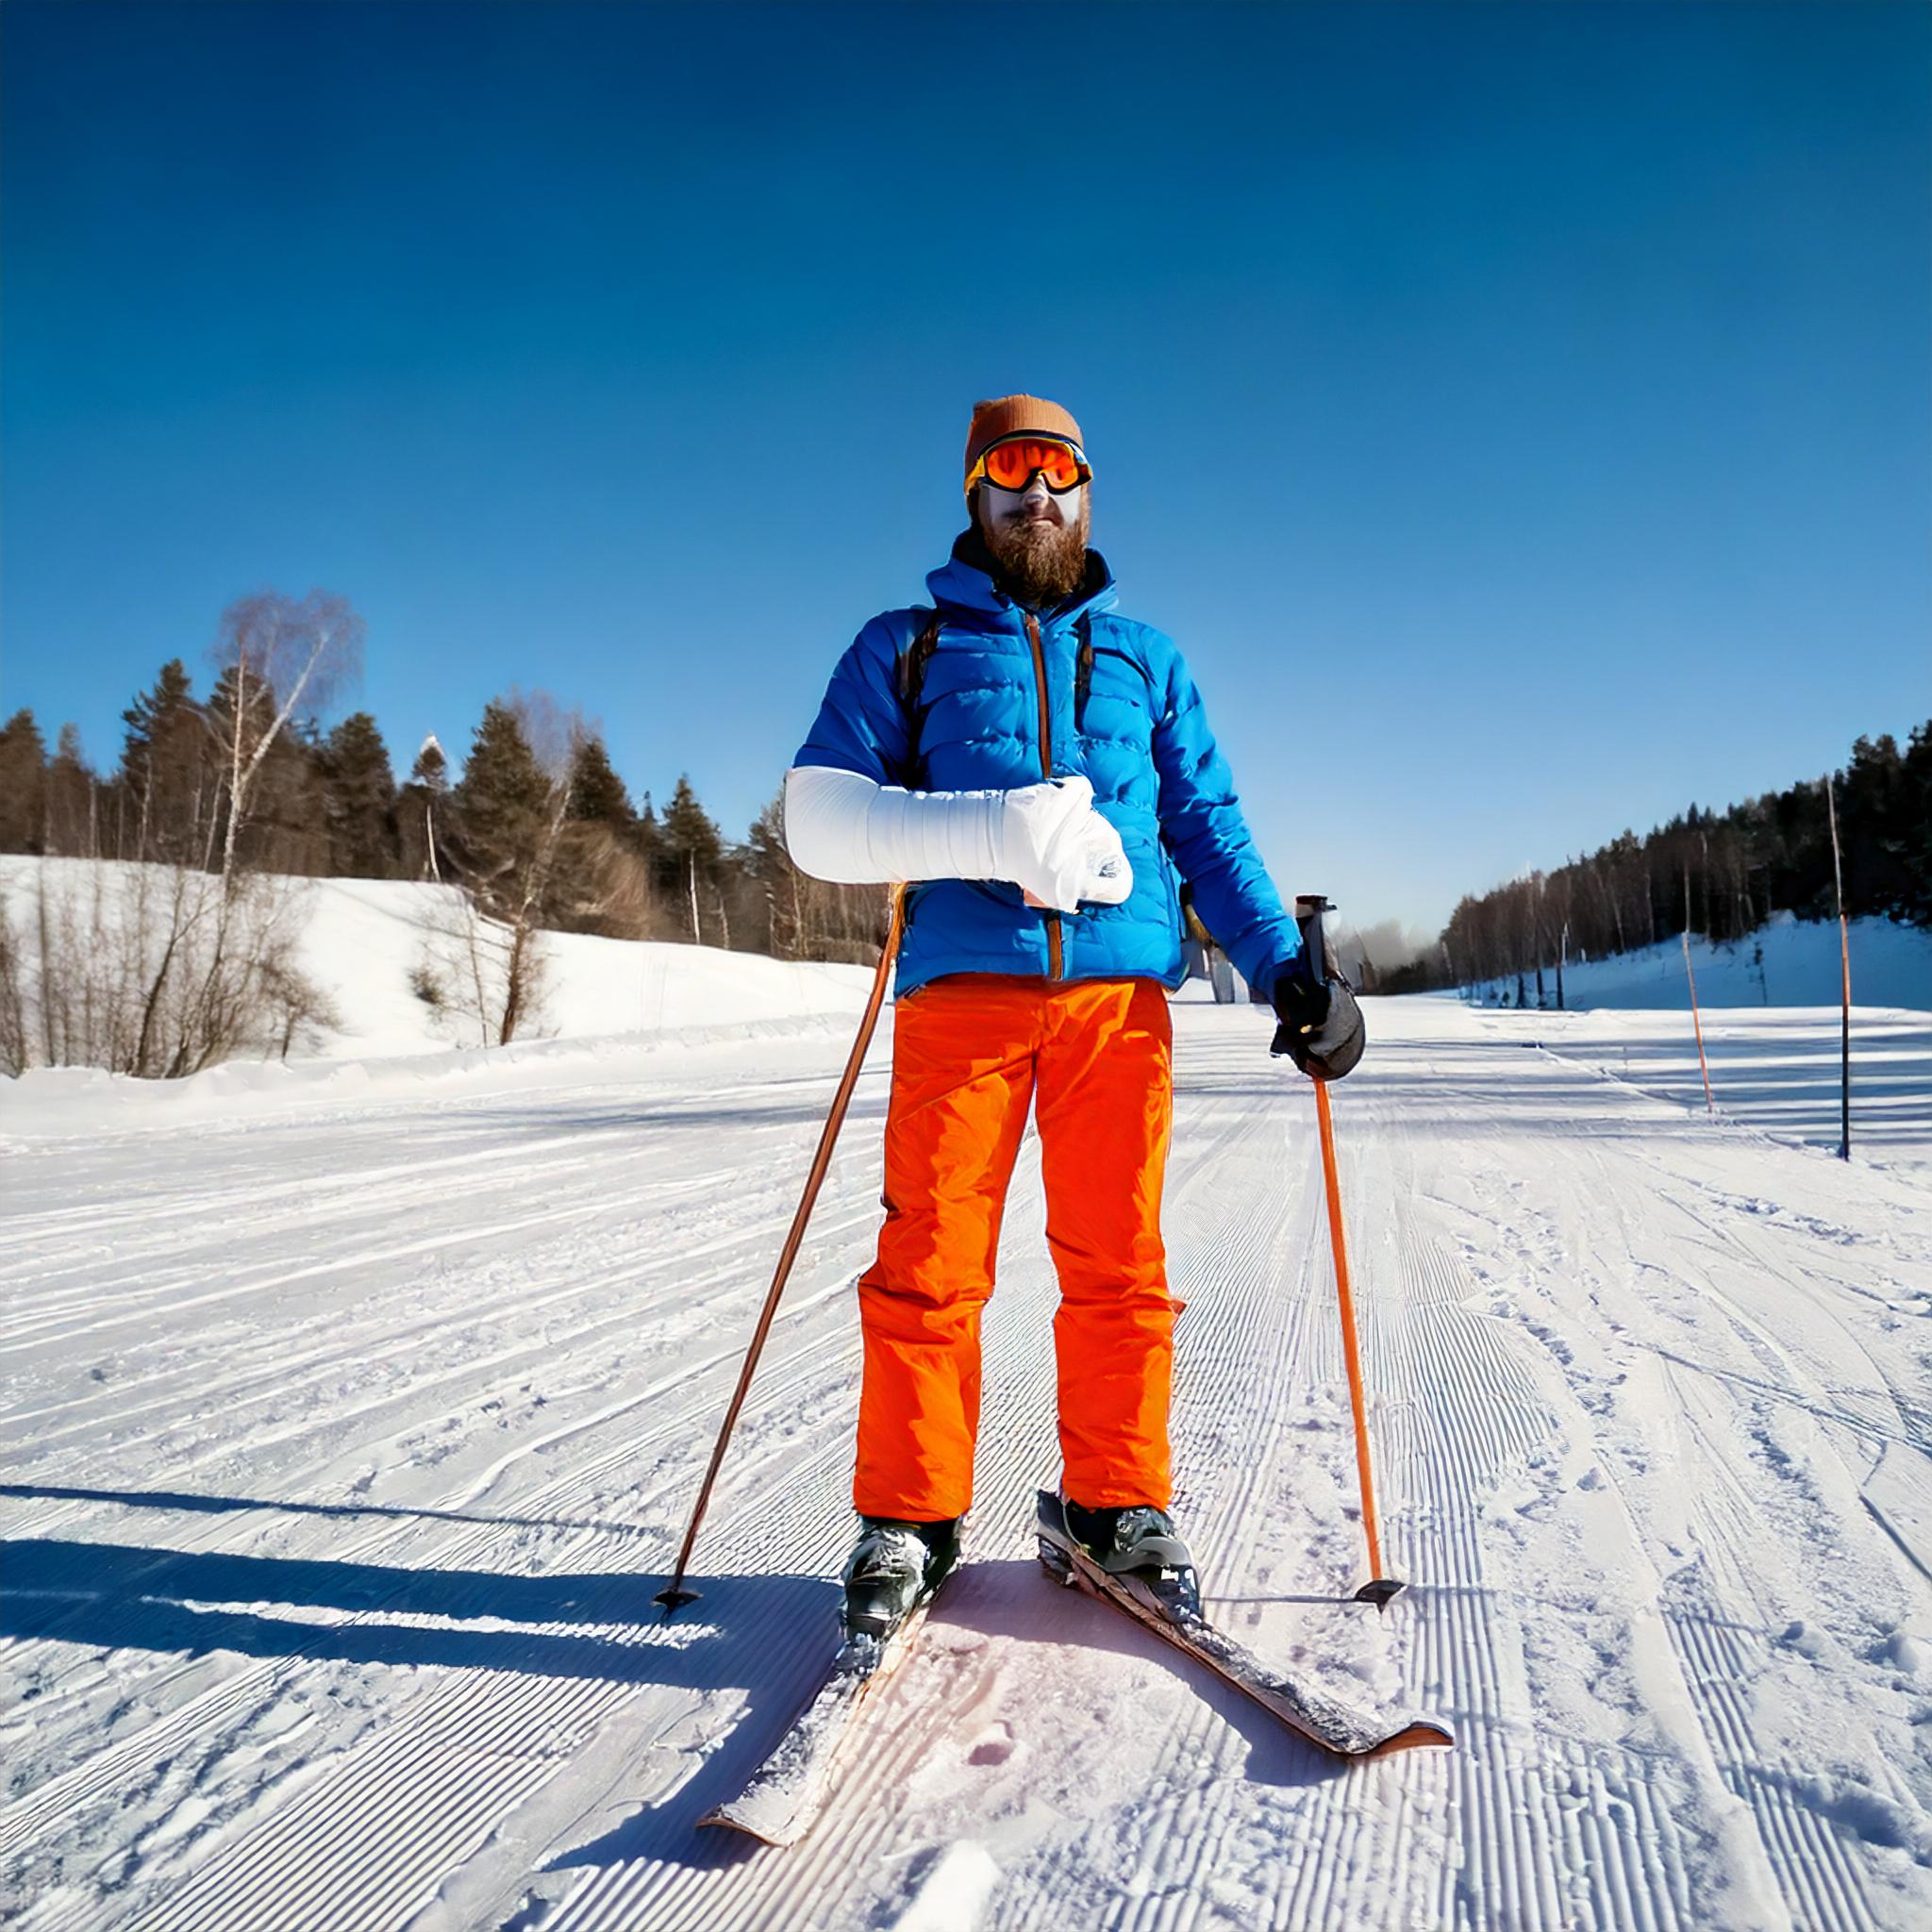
point(1054, 962)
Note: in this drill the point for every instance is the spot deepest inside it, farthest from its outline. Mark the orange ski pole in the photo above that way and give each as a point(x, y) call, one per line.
point(1308, 908)
point(674, 1593)
point(1379, 1589)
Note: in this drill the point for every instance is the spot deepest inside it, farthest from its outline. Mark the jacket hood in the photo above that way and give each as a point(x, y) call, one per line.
point(967, 581)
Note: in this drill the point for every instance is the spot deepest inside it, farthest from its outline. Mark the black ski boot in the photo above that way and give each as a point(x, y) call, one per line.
point(1139, 1540)
point(893, 1567)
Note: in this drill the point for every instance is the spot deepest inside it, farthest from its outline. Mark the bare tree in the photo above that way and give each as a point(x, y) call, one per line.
point(553, 735)
point(152, 969)
point(281, 653)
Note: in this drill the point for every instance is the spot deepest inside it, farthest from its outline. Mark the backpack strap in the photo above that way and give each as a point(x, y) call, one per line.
point(913, 662)
point(1083, 668)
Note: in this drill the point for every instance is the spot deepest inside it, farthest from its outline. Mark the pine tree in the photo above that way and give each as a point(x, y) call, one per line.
point(647, 835)
point(1874, 786)
point(360, 792)
point(431, 769)
point(1911, 829)
point(689, 832)
point(512, 815)
point(596, 793)
point(689, 856)
point(421, 815)
point(149, 717)
point(168, 770)
point(503, 799)
point(23, 785)
point(72, 792)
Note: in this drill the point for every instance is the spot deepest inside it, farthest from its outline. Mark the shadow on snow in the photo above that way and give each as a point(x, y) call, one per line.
point(766, 1636)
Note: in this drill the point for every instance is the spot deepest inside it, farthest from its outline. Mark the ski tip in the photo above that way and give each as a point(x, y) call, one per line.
point(1420, 1736)
point(1381, 1593)
point(674, 1599)
point(725, 1817)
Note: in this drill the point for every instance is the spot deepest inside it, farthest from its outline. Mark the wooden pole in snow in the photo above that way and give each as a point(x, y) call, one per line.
point(1844, 985)
point(675, 1593)
point(1697, 1024)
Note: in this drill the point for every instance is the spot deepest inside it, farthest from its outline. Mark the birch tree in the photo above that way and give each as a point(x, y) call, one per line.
point(282, 654)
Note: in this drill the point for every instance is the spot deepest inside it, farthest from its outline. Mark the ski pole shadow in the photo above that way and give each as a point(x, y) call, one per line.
point(743, 1635)
point(192, 1502)
point(601, 1627)
point(1325, 1603)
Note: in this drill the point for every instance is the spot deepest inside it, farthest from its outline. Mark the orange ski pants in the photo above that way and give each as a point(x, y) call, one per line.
point(969, 1052)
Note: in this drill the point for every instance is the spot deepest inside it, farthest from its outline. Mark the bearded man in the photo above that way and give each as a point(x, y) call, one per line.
point(1041, 767)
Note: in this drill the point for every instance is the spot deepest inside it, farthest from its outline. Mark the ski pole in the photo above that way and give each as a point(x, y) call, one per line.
point(1379, 1589)
point(674, 1593)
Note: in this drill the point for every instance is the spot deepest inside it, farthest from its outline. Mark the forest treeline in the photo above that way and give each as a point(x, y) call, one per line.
point(538, 825)
point(541, 833)
point(1716, 873)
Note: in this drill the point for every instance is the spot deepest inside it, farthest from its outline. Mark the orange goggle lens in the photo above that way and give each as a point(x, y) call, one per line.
point(1012, 465)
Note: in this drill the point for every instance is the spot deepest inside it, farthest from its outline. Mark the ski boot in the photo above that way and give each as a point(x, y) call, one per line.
point(1138, 1540)
point(893, 1567)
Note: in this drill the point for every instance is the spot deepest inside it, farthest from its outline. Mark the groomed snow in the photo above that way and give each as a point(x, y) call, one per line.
point(347, 1439)
point(1786, 962)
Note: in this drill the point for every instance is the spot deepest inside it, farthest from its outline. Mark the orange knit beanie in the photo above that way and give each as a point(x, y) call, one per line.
point(1017, 416)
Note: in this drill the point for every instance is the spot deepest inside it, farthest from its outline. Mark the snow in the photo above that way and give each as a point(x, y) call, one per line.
point(365, 935)
point(1786, 962)
point(351, 1423)
point(361, 939)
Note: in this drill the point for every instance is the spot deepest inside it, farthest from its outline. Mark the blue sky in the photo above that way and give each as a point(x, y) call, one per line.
point(1521, 415)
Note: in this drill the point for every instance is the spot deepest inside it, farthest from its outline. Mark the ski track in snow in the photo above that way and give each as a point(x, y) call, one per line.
point(345, 1452)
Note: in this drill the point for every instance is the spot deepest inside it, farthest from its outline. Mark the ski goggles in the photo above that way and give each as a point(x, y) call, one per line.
point(1012, 464)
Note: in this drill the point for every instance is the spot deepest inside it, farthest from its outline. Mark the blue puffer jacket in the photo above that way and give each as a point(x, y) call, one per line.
point(1131, 721)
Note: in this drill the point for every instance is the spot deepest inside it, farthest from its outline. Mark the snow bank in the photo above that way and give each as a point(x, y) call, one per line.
point(362, 941)
point(365, 937)
point(1788, 963)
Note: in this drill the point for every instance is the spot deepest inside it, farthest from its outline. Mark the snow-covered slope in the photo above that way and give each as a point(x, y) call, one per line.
point(345, 1446)
point(364, 937)
point(1788, 962)
point(364, 941)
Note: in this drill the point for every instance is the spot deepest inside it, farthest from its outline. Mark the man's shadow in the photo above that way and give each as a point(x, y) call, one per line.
point(770, 1636)
point(765, 1635)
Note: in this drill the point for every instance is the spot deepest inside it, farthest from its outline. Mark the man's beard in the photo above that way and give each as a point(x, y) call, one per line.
point(1041, 563)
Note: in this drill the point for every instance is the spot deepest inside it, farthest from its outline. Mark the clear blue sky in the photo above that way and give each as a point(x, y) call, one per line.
point(1521, 415)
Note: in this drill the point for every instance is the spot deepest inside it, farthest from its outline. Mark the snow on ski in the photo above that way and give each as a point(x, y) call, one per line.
point(1324, 1721)
point(786, 1793)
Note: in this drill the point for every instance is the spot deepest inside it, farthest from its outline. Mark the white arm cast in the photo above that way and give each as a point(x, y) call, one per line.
point(840, 825)
point(1047, 838)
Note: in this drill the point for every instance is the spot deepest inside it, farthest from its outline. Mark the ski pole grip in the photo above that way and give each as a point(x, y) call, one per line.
point(1308, 908)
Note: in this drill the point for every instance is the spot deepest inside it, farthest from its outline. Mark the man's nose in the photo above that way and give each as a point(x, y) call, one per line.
point(1036, 487)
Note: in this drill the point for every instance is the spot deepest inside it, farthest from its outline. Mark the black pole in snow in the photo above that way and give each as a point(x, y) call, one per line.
point(1844, 986)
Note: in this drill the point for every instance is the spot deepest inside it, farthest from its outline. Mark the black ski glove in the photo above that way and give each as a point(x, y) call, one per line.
point(1321, 1028)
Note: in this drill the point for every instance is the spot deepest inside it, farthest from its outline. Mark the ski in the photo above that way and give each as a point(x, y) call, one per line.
point(1166, 1607)
point(787, 1791)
